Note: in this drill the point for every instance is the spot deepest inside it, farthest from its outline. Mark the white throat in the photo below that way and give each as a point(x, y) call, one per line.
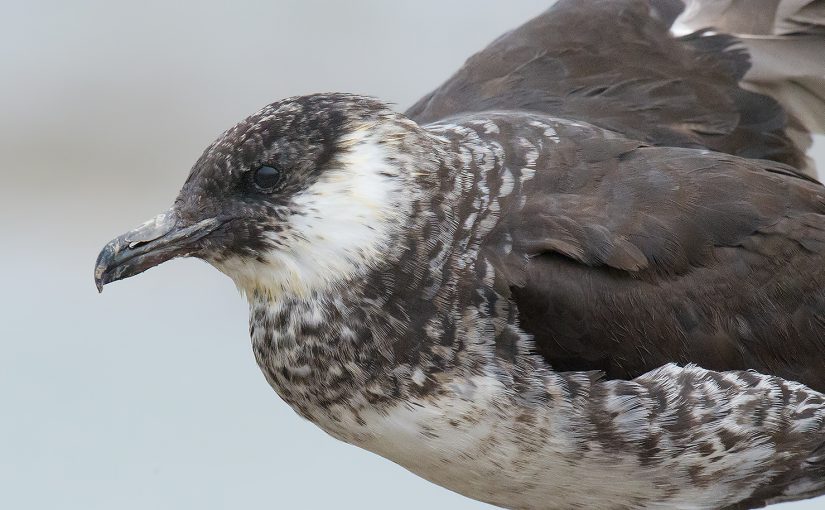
point(342, 226)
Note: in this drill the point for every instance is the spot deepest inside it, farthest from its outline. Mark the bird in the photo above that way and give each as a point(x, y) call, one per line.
point(585, 272)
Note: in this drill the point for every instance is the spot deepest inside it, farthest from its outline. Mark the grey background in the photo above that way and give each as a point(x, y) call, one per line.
point(148, 396)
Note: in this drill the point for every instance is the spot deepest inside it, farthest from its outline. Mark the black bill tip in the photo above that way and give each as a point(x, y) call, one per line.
point(160, 239)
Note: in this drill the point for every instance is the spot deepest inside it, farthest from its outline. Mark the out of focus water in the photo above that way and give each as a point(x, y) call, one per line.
point(148, 396)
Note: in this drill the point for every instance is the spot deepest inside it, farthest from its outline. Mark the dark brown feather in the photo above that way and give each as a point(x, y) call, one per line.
point(633, 78)
point(628, 257)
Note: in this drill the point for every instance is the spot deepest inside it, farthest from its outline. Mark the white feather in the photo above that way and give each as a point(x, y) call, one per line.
point(342, 228)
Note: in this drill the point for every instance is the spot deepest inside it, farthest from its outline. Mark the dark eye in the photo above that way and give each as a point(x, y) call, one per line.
point(266, 177)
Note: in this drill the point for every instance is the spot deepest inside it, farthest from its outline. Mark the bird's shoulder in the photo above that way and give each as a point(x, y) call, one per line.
point(596, 234)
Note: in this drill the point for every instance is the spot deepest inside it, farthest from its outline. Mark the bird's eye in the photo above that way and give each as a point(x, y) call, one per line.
point(266, 177)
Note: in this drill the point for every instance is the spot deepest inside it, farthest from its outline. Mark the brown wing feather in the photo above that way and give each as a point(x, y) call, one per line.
point(626, 258)
point(613, 64)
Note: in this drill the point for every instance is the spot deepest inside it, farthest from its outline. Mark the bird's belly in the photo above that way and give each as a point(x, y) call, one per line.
point(474, 442)
point(454, 441)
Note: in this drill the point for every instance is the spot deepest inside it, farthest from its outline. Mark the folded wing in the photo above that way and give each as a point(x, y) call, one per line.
point(622, 258)
point(615, 63)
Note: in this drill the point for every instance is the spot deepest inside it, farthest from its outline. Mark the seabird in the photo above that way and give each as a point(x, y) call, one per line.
point(587, 271)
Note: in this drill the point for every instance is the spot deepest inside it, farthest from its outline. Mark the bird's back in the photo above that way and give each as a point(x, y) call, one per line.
point(714, 260)
point(622, 257)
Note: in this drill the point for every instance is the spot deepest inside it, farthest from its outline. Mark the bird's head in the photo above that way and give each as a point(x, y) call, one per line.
point(305, 193)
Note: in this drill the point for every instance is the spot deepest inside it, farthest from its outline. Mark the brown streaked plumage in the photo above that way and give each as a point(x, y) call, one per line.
point(672, 249)
point(588, 273)
point(644, 256)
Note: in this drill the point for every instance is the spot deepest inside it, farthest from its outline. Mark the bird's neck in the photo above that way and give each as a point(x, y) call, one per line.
point(422, 312)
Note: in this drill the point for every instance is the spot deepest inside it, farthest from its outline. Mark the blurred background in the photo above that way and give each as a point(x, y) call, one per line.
point(148, 396)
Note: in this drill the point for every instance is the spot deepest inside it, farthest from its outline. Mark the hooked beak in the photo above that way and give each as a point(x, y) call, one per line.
point(160, 239)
